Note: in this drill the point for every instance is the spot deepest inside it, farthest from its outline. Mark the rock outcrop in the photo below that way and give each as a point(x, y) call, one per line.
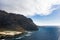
point(11, 21)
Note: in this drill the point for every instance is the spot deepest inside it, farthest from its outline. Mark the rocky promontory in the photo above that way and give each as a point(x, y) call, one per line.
point(15, 22)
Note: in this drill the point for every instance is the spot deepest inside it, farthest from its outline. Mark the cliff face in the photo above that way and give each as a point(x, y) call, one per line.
point(11, 21)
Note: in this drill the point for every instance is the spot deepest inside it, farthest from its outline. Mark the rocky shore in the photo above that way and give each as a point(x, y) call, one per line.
point(12, 24)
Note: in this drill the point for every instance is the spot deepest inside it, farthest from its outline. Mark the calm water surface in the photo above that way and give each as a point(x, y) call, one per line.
point(44, 33)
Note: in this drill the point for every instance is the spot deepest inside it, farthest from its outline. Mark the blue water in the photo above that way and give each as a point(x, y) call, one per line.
point(44, 33)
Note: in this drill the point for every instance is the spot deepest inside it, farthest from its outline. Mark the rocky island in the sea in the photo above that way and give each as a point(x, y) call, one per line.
point(12, 24)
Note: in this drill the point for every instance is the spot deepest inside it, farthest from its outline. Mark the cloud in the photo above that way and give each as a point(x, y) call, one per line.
point(47, 24)
point(29, 7)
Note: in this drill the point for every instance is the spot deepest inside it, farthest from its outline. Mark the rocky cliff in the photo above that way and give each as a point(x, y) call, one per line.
point(11, 21)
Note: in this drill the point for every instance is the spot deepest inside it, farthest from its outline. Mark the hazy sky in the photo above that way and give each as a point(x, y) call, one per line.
point(42, 12)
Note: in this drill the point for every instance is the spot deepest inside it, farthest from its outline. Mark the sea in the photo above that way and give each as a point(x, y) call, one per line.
point(44, 33)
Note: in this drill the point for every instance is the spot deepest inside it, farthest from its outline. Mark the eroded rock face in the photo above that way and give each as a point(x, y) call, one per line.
point(11, 21)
